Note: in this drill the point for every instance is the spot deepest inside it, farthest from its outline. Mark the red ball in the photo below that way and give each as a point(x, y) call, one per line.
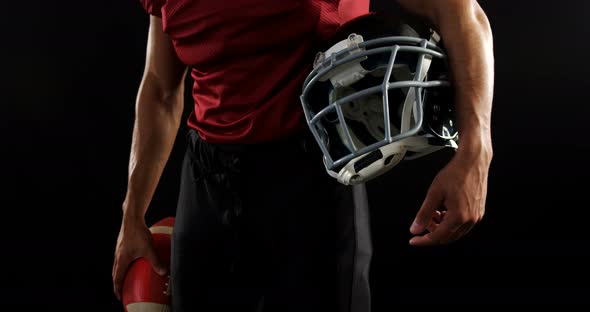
point(143, 289)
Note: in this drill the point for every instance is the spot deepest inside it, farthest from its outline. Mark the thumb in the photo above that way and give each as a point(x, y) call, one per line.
point(155, 261)
point(431, 203)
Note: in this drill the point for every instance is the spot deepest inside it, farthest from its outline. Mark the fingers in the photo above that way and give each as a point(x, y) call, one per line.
point(431, 203)
point(432, 226)
point(440, 216)
point(449, 230)
point(122, 263)
point(438, 236)
point(436, 220)
point(119, 269)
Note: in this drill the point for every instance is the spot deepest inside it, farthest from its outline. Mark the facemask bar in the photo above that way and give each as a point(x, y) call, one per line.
point(395, 45)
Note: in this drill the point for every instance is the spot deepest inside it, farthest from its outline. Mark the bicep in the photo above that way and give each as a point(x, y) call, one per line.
point(162, 65)
point(441, 11)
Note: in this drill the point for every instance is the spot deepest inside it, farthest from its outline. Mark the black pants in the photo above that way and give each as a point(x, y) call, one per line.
point(264, 228)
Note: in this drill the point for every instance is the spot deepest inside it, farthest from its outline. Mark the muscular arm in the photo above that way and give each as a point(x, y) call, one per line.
point(158, 110)
point(159, 106)
point(461, 186)
point(469, 44)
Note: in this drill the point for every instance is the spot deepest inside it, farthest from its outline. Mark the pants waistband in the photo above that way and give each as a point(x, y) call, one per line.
point(300, 141)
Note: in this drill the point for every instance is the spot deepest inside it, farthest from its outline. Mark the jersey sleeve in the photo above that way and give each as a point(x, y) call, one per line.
point(153, 7)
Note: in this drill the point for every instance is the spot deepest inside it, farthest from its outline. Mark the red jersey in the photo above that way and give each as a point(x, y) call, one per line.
point(248, 60)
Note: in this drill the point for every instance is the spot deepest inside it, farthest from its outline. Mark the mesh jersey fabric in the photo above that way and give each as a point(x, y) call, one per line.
point(248, 60)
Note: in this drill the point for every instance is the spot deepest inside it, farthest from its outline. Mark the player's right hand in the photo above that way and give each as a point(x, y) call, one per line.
point(134, 241)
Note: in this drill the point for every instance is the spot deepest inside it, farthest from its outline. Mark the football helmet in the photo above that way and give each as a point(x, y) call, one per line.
point(380, 93)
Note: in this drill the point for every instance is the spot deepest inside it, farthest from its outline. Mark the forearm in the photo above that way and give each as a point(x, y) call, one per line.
point(469, 44)
point(156, 126)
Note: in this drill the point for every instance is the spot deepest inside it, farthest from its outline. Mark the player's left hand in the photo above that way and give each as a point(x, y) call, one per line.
point(454, 203)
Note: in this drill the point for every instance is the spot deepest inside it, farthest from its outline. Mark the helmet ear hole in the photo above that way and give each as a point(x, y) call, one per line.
point(388, 160)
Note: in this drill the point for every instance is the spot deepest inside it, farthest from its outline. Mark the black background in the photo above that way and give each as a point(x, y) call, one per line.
point(70, 72)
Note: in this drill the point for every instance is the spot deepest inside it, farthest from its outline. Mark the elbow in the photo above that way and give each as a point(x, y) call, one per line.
point(167, 97)
point(172, 102)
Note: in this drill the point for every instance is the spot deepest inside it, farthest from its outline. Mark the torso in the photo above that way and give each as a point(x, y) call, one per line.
point(249, 59)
